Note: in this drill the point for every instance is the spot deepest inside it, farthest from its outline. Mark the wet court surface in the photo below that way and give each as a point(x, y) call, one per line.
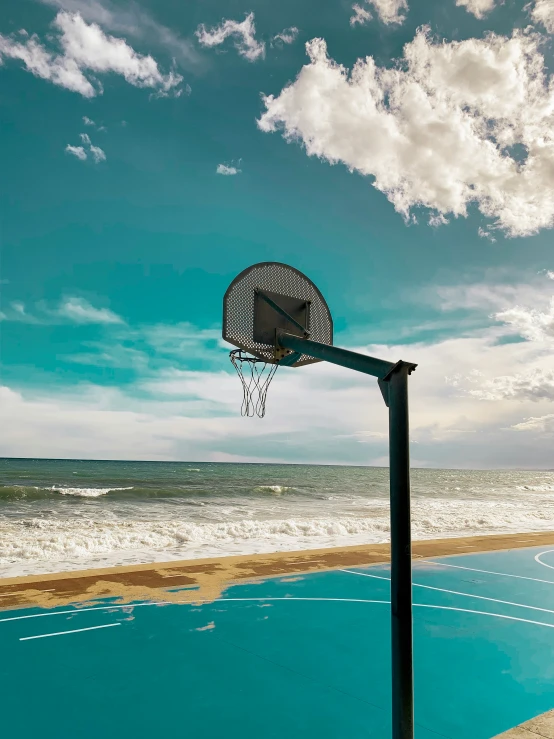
point(295, 656)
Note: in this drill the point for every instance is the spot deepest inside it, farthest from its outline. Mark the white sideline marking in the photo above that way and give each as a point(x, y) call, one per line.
point(487, 572)
point(539, 560)
point(455, 592)
point(73, 631)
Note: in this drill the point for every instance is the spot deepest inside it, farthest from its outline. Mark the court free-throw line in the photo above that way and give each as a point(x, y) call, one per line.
point(73, 631)
point(454, 592)
point(539, 560)
point(487, 572)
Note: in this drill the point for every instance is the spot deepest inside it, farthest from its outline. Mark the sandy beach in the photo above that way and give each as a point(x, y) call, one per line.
point(206, 579)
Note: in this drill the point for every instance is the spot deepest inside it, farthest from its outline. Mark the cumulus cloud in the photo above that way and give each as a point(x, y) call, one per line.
point(538, 423)
point(361, 16)
point(85, 48)
point(531, 323)
point(542, 11)
point(89, 122)
point(97, 154)
point(286, 36)
point(133, 21)
point(390, 11)
point(440, 130)
point(536, 384)
point(479, 8)
point(77, 151)
point(484, 234)
point(225, 170)
point(174, 92)
point(243, 34)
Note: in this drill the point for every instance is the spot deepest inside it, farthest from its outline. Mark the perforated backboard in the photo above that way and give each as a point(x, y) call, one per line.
point(249, 322)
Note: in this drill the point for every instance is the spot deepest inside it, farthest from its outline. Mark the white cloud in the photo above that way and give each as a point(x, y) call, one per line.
point(77, 151)
point(243, 33)
point(97, 153)
point(60, 70)
point(172, 93)
point(80, 310)
point(225, 170)
point(531, 323)
point(437, 219)
point(390, 11)
point(484, 234)
point(443, 126)
point(539, 423)
point(80, 152)
point(361, 16)
point(176, 414)
point(18, 307)
point(479, 8)
point(471, 397)
point(179, 339)
point(86, 48)
point(72, 308)
point(132, 20)
point(542, 11)
point(535, 384)
point(286, 36)
point(88, 122)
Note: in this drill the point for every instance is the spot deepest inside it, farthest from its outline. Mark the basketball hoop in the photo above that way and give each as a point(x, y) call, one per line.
point(255, 381)
point(263, 299)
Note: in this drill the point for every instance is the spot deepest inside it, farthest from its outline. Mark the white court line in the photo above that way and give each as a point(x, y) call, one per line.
point(486, 572)
point(454, 592)
point(73, 631)
point(416, 605)
point(258, 600)
point(539, 560)
point(86, 610)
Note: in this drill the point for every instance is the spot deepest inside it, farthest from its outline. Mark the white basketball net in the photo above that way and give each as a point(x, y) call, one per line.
point(255, 381)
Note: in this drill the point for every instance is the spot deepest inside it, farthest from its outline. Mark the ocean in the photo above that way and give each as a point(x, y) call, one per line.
point(72, 514)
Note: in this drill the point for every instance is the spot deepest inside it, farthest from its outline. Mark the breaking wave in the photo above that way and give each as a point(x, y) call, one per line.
point(56, 539)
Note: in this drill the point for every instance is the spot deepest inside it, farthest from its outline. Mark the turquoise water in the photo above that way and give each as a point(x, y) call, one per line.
point(59, 514)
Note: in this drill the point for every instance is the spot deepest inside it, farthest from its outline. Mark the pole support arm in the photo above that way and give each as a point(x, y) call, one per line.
point(379, 368)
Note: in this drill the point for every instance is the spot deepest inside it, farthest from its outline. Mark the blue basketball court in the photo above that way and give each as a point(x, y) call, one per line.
point(296, 656)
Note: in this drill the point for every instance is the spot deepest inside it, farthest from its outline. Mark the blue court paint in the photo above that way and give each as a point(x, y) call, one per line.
point(291, 666)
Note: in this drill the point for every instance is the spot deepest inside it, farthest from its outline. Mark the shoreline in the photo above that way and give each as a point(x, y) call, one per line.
point(206, 579)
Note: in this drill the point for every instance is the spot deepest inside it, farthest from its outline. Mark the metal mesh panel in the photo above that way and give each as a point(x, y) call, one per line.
point(238, 307)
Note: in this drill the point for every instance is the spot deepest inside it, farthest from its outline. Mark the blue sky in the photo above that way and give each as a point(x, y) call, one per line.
point(398, 152)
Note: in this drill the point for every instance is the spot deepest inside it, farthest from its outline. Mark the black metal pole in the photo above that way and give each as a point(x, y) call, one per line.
point(401, 555)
